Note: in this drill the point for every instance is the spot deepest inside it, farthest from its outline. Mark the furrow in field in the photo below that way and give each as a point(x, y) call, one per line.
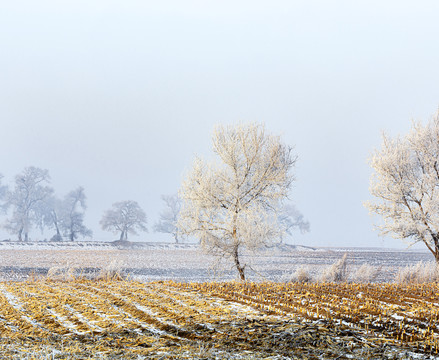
point(136, 314)
point(19, 314)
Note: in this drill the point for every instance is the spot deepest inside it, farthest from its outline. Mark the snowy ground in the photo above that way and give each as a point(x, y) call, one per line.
point(186, 262)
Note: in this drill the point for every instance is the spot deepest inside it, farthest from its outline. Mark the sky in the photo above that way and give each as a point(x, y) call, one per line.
point(120, 96)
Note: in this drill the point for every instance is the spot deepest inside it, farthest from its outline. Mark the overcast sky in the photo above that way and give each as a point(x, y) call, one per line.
point(119, 96)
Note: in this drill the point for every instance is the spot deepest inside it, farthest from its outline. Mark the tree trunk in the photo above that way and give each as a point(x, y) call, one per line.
point(176, 238)
point(122, 235)
point(57, 230)
point(26, 236)
point(20, 233)
point(237, 264)
point(435, 250)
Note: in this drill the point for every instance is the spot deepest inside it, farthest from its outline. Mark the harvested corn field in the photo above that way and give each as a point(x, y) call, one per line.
point(84, 319)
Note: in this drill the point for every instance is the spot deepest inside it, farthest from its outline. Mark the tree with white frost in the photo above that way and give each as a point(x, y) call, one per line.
point(169, 216)
point(65, 216)
point(233, 204)
point(124, 217)
point(73, 209)
point(405, 183)
point(30, 191)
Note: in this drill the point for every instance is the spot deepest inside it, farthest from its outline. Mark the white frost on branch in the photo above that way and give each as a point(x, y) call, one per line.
point(233, 204)
point(125, 217)
point(406, 185)
point(169, 216)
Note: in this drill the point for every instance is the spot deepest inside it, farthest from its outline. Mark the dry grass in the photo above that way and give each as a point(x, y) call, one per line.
point(418, 274)
point(337, 272)
point(302, 275)
point(62, 273)
point(366, 274)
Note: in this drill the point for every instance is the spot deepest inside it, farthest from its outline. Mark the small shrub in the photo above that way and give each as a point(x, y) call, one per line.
point(418, 273)
point(366, 274)
point(337, 272)
point(111, 272)
point(302, 275)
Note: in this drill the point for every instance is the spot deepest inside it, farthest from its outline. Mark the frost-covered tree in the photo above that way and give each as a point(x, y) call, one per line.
point(405, 183)
point(233, 204)
point(66, 216)
point(292, 219)
point(169, 216)
point(31, 189)
point(49, 216)
point(73, 208)
point(124, 217)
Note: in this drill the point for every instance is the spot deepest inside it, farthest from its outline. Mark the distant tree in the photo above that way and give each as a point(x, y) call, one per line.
point(169, 216)
point(292, 219)
point(124, 217)
point(405, 184)
point(49, 216)
point(73, 207)
point(30, 191)
point(233, 205)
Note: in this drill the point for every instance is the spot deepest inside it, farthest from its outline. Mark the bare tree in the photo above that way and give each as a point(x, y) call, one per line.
point(124, 217)
point(73, 207)
point(169, 216)
point(29, 192)
point(233, 205)
point(65, 216)
point(49, 216)
point(406, 186)
point(291, 219)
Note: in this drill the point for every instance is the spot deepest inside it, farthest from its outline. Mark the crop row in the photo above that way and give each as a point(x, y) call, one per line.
point(391, 312)
point(118, 319)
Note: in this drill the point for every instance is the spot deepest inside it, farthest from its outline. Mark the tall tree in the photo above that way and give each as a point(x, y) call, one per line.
point(233, 204)
point(405, 184)
point(124, 217)
point(65, 216)
point(169, 216)
point(31, 189)
point(73, 207)
point(49, 216)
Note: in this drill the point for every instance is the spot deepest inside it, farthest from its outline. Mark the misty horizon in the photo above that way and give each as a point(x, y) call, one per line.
point(120, 98)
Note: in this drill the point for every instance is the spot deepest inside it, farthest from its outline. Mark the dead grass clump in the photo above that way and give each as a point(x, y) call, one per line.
point(366, 274)
point(337, 272)
point(61, 273)
point(302, 275)
point(418, 274)
point(112, 272)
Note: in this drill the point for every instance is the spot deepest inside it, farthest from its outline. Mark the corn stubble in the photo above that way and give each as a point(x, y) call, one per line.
point(108, 319)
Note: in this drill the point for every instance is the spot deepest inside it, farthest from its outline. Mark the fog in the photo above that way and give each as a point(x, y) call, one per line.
point(118, 97)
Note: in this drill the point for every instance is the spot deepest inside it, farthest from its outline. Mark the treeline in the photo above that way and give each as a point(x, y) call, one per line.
point(30, 204)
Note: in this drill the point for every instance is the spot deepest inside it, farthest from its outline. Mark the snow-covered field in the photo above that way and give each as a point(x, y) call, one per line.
point(186, 262)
